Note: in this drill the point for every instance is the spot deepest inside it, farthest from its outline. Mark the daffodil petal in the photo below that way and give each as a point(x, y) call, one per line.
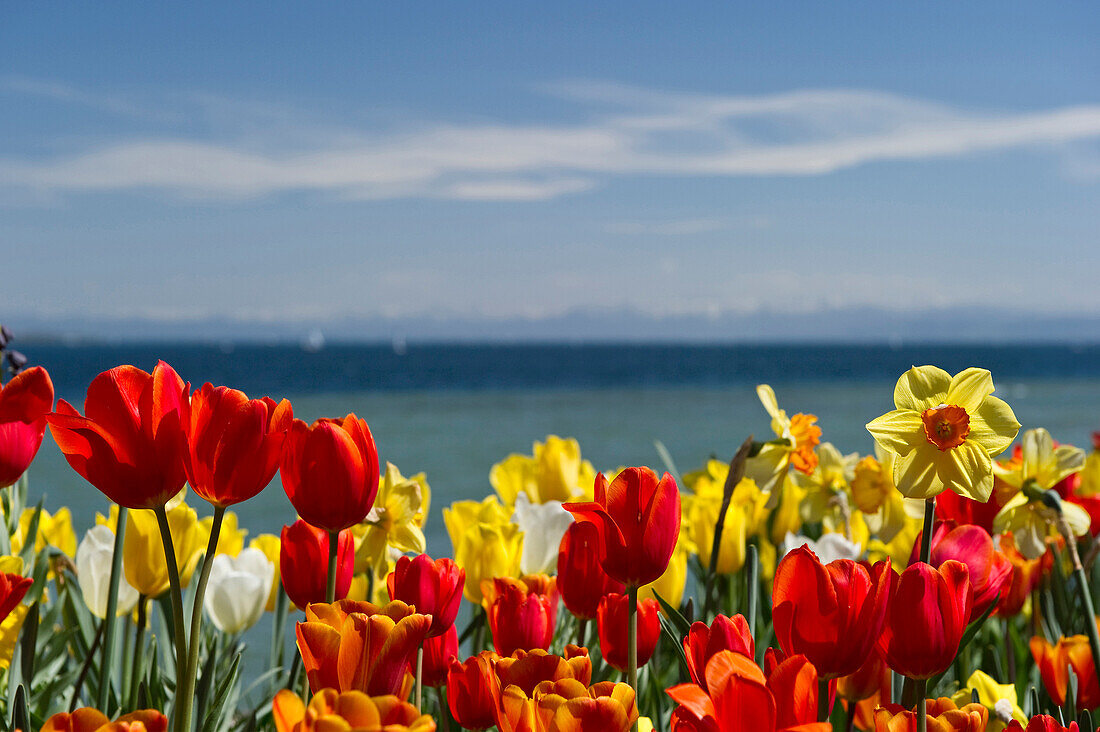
point(993, 426)
point(967, 470)
point(1077, 518)
point(1067, 461)
point(921, 387)
point(767, 398)
point(915, 473)
point(900, 431)
point(968, 388)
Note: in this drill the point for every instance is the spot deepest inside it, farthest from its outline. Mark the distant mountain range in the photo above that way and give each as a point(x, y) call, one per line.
point(841, 325)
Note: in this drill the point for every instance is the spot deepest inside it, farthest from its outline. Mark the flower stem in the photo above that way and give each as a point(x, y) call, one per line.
point(444, 710)
point(582, 631)
point(632, 639)
point(1083, 591)
point(188, 688)
point(112, 610)
point(420, 678)
point(139, 648)
point(926, 534)
point(178, 631)
point(922, 707)
point(333, 547)
point(823, 700)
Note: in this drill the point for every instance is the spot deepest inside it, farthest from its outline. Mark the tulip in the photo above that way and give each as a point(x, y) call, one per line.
point(928, 612)
point(639, 521)
point(567, 706)
point(303, 556)
point(543, 526)
point(395, 522)
point(330, 471)
point(723, 634)
point(472, 689)
point(143, 558)
point(351, 645)
point(12, 589)
point(87, 719)
point(93, 573)
point(269, 545)
point(486, 543)
point(234, 443)
point(1026, 574)
point(611, 619)
point(581, 579)
point(943, 716)
point(553, 472)
point(348, 710)
point(1041, 723)
point(238, 590)
point(832, 614)
point(520, 615)
point(438, 654)
point(24, 403)
point(527, 669)
point(990, 571)
point(55, 531)
point(433, 587)
point(130, 444)
point(873, 677)
point(1054, 662)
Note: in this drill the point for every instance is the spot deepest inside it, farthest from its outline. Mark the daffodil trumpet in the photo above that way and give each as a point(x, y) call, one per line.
point(109, 621)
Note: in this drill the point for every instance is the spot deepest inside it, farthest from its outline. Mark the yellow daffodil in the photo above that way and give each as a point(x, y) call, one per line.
point(897, 549)
point(999, 699)
point(786, 516)
point(553, 472)
point(1090, 473)
point(944, 432)
point(269, 545)
point(874, 495)
point(826, 487)
point(1041, 464)
point(394, 522)
point(486, 542)
point(56, 531)
point(143, 553)
point(230, 538)
point(796, 438)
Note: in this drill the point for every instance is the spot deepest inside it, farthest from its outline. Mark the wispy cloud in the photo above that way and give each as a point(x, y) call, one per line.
point(624, 131)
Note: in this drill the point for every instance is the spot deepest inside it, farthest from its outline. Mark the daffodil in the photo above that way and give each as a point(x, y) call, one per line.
point(826, 487)
point(999, 699)
point(944, 432)
point(1041, 464)
point(486, 542)
point(553, 472)
point(394, 522)
point(898, 549)
point(874, 495)
point(796, 438)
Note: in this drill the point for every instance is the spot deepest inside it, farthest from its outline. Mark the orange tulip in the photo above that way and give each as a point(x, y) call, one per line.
point(928, 612)
point(1072, 652)
point(472, 690)
point(1026, 574)
point(568, 706)
point(130, 444)
point(24, 403)
point(303, 562)
point(330, 471)
point(638, 519)
point(87, 719)
point(331, 710)
point(528, 669)
point(723, 634)
point(522, 613)
point(234, 443)
point(349, 645)
point(870, 678)
point(943, 716)
point(832, 613)
point(613, 621)
point(581, 579)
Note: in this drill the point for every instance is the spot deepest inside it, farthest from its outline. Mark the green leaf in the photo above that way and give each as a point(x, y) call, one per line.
point(32, 534)
point(213, 716)
point(974, 627)
point(679, 622)
point(28, 642)
point(666, 458)
point(20, 718)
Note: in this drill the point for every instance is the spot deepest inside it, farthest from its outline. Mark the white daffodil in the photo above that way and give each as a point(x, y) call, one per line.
point(93, 572)
point(238, 589)
point(828, 548)
point(543, 525)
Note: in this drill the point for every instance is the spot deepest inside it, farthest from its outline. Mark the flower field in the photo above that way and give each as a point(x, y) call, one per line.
point(943, 583)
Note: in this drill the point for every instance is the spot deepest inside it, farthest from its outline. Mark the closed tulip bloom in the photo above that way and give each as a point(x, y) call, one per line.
point(24, 403)
point(472, 690)
point(943, 716)
point(638, 518)
point(237, 590)
point(433, 587)
point(143, 562)
point(528, 669)
point(1041, 723)
point(873, 676)
point(303, 563)
point(521, 617)
point(568, 706)
point(1054, 662)
point(543, 525)
point(332, 710)
point(723, 634)
point(12, 589)
point(438, 654)
point(486, 542)
point(269, 545)
point(990, 571)
point(832, 613)
point(929, 610)
point(330, 471)
point(93, 572)
point(234, 443)
point(130, 443)
point(581, 579)
point(87, 719)
point(612, 622)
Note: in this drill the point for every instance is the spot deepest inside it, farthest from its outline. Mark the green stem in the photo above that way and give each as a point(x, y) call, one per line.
point(112, 611)
point(139, 648)
point(420, 678)
point(752, 587)
point(179, 633)
point(922, 707)
point(86, 666)
point(632, 639)
point(926, 535)
point(1083, 591)
point(333, 548)
point(187, 690)
point(582, 631)
point(444, 710)
point(823, 700)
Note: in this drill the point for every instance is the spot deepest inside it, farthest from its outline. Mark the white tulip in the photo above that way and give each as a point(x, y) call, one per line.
point(543, 525)
point(238, 589)
point(93, 572)
point(828, 548)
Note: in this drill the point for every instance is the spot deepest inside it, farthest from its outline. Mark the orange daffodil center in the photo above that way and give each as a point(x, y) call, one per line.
point(946, 426)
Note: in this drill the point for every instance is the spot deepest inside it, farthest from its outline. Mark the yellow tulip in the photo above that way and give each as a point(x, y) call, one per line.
point(55, 531)
point(230, 538)
point(269, 545)
point(999, 699)
point(786, 517)
point(553, 472)
point(486, 543)
point(701, 511)
point(143, 553)
point(395, 521)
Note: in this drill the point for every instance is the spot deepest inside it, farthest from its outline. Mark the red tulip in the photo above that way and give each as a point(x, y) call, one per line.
point(990, 571)
point(613, 623)
point(434, 588)
point(521, 617)
point(1054, 663)
point(929, 610)
point(472, 691)
point(303, 563)
point(581, 579)
point(12, 589)
point(130, 444)
point(24, 403)
point(639, 521)
point(832, 614)
point(724, 634)
point(870, 678)
point(234, 443)
point(330, 471)
point(1041, 723)
point(438, 654)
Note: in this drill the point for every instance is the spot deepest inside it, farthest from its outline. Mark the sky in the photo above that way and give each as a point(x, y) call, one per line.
point(268, 162)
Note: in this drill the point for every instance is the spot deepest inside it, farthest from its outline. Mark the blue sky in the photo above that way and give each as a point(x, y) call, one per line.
point(262, 161)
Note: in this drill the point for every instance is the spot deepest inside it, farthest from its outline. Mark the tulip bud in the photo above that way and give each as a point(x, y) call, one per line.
point(612, 619)
point(237, 590)
point(303, 563)
point(93, 573)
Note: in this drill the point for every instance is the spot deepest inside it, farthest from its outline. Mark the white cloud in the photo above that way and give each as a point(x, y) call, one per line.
point(625, 132)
